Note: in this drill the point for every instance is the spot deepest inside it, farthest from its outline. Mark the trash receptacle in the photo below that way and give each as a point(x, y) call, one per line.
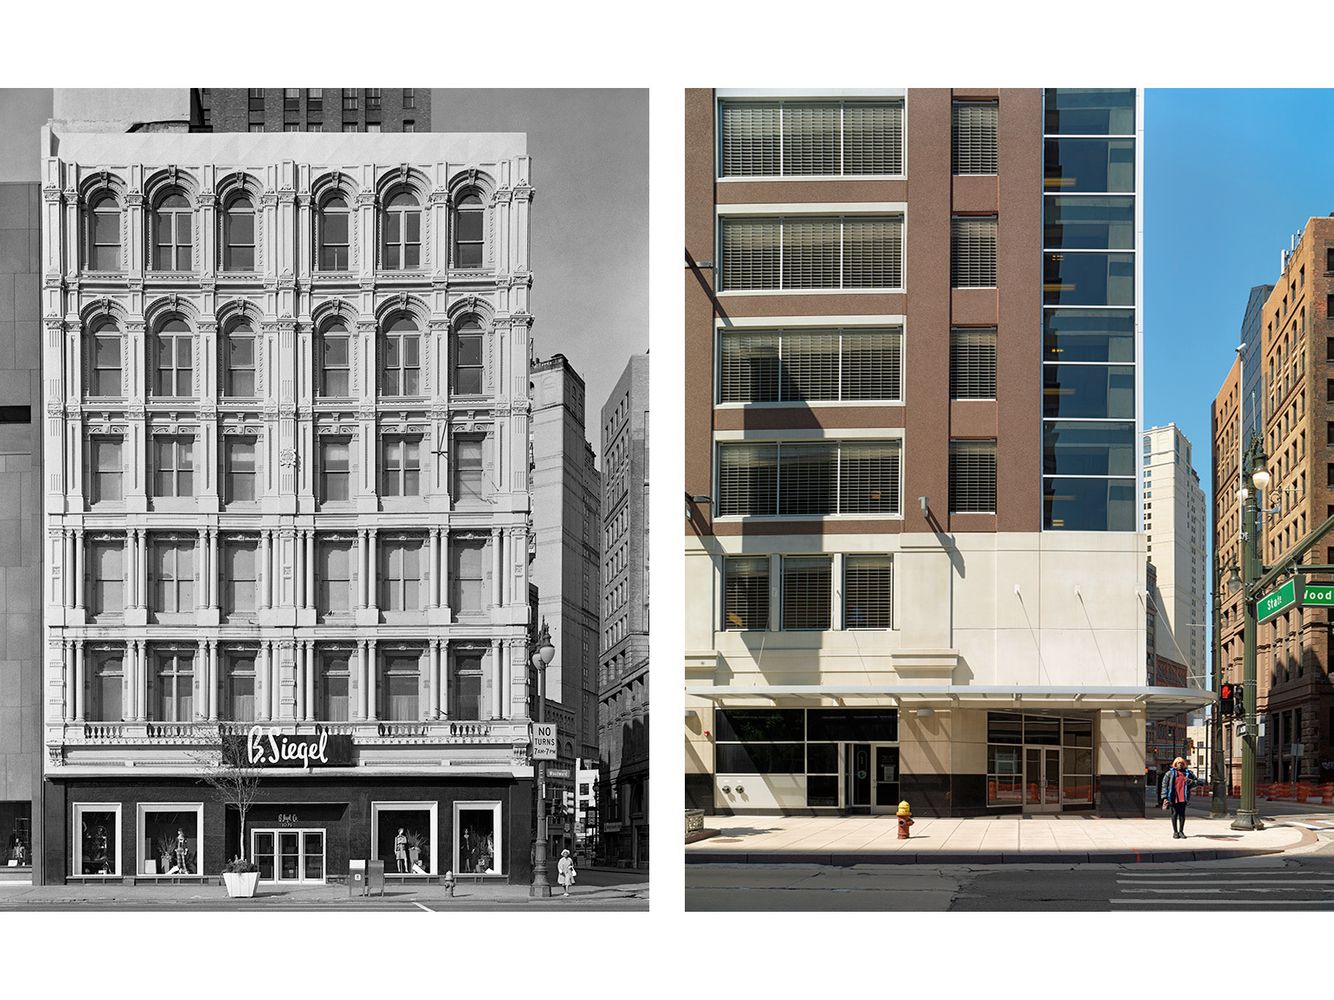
point(356, 877)
point(375, 876)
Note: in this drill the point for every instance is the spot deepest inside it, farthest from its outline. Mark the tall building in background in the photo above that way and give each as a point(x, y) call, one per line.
point(310, 109)
point(623, 673)
point(1174, 534)
point(566, 500)
point(1295, 650)
point(913, 563)
point(1225, 420)
point(287, 487)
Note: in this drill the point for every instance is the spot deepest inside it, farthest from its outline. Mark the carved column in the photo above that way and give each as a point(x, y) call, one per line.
point(496, 567)
point(213, 568)
point(214, 678)
point(141, 543)
point(310, 569)
point(444, 677)
point(373, 681)
point(372, 570)
point(79, 686)
point(497, 680)
point(80, 559)
point(432, 710)
point(299, 570)
point(434, 592)
point(359, 680)
point(262, 682)
point(361, 568)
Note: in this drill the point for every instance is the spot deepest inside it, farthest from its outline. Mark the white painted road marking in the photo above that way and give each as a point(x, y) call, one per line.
point(423, 906)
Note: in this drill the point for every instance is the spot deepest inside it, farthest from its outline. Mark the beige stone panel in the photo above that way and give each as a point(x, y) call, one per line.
point(761, 791)
point(1095, 658)
point(1121, 743)
point(1092, 589)
point(701, 598)
point(925, 744)
point(925, 604)
point(699, 741)
point(970, 742)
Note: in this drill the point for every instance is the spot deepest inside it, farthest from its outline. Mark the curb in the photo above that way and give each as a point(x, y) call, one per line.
point(845, 860)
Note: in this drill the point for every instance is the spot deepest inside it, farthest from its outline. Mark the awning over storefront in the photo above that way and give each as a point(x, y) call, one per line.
point(1157, 702)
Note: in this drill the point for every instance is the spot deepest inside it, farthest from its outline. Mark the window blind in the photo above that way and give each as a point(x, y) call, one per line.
point(810, 138)
point(806, 592)
point(811, 141)
point(873, 364)
point(798, 252)
point(750, 254)
point(780, 365)
point(975, 137)
point(748, 479)
point(972, 477)
point(796, 479)
point(869, 478)
point(973, 252)
point(811, 253)
point(750, 140)
point(810, 366)
point(873, 252)
point(749, 368)
point(972, 364)
point(806, 481)
point(868, 590)
point(746, 593)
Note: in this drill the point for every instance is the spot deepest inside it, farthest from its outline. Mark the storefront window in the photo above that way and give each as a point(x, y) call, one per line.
point(16, 827)
point(1012, 739)
point(169, 839)
point(98, 846)
point(1004, 776)
point(403, 838)
point(477, 839)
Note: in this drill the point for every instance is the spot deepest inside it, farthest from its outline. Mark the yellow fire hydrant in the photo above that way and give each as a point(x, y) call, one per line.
point(905, 819)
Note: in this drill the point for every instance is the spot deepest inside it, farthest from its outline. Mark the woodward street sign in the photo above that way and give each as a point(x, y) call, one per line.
point(1276, 601)
point(1319, 595)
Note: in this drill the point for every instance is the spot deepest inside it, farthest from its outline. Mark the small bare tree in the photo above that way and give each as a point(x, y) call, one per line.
point(228, 771)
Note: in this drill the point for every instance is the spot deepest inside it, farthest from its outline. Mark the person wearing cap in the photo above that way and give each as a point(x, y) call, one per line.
point(1175, 792)
point(565, 870)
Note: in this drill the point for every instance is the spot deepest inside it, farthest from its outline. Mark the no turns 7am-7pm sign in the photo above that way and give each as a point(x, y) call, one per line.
point(1276, 601)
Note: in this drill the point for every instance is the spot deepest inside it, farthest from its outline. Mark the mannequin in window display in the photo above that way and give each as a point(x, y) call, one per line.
point(95, 851)
point(182, 853)
point(401, 850)
point(17, 850)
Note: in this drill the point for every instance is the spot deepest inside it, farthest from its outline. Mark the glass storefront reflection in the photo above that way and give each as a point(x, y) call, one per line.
point(1092, 391)
point(1089, 111)
point(1088, 504)
point(1075, 166)
point(1093, 335)
point(1088, 279)
point(1088, 448)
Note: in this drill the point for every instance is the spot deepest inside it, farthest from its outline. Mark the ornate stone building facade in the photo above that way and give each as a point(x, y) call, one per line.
point(287, 493)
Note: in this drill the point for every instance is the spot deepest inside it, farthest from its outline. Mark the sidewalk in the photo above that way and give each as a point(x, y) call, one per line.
point(1068, 838)
point(17, 894)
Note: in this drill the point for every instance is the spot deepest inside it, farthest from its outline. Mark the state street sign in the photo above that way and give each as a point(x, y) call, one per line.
point(1318, 595)
point(544, 741)
point(1276, 601)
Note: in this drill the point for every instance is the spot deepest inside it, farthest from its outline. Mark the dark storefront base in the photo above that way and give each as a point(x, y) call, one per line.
point(942, 796)
point(337, 806)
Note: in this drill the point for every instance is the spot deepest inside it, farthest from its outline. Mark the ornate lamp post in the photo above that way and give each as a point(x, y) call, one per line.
point(1247, 818)
point(543, 653)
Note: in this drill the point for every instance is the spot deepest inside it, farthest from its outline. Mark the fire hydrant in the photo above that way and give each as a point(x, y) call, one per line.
point(905, 819)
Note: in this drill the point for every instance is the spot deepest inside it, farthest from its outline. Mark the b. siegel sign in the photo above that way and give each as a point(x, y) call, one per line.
point(263, 747)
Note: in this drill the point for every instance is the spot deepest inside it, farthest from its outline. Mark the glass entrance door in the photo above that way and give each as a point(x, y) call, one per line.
point(288, 855)
point(886, 777)
point(859, 776)
point(1042, 779)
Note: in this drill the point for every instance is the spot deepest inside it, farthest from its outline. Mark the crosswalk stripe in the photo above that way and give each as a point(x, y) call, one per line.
point(1236, 883)
point(1324, 903)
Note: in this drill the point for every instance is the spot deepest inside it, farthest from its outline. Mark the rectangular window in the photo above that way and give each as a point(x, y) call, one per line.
point(402, 681)
point(240, 365)
point(401, 573)
point(174, 683)
point(106, 676)
point(240, 565)
point(409, 125)
point(467, 575)
point(106, 576)
point(465, 685)
point(973, 251)
point(172, 574)
point(238, 701)
point(1098, 166)
point(335, 469)
point(401, 466)
point(1089, 504)
point(807, 592)
point(867, 591)
point(1089, 448)
point(105, 379)
point(1088, 391)
point(808, 252)
point(107, 470)
point(469, 471)
point(1089, 222)
point(781, 366)
point(972, 477)
point(104, 247)
point(409, 97)
point(334, 570)
point(173, 466)
point(372, 99)
point(334, 678)
point(746, 593)
point(240, 471)
point(973, 364)
point(1082, 279)
point(974, 136)
point(291, 99)
point(1097, 335)
point(1089, 111)
point(175, 365)
point(810, 138)
point(809, 479)
point(349, 100)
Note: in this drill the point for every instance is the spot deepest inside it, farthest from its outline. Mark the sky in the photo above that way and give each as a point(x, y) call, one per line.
point(1229, 177)
point(589, 222)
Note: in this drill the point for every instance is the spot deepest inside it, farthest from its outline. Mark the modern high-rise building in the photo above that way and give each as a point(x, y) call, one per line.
point(310, 109)
point(623, 718)
point(287, 494)
point(566, 503)
point(1174, 533)
point(914, 568)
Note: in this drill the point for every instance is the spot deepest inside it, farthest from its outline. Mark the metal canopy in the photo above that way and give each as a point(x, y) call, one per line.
point(1157, 702)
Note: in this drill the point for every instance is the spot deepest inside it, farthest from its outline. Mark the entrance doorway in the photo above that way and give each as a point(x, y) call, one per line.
point(293, 856)
point(1042, 779)
point(872, 777)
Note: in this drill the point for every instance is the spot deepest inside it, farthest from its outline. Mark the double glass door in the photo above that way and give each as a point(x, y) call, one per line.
point(1042, 779)
point(288, 855)
point(872, 777)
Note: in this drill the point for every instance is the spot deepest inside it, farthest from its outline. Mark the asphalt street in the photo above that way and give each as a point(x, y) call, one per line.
point(1300, 882)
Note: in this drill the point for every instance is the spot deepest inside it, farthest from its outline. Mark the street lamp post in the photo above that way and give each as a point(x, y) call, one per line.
point(1247, 817)
point(543, 653)
point(1218, 804)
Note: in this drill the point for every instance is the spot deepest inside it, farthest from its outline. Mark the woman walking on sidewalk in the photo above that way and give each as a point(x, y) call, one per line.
point(1175, 793)
point(565, 871)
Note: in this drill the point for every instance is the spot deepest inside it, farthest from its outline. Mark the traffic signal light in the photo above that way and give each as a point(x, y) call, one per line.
point(1227, 694)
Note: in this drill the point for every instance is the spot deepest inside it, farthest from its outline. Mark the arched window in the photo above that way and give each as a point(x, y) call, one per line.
point(238, 234)
point(103, 251)
point(104, 353)
point(402, 366)
point(335, 361)
point(402, 233)
point(239, 361)
point(173, 233)
point(469, 230)
point(174, 372)
point(335, 235)
point(468, 358)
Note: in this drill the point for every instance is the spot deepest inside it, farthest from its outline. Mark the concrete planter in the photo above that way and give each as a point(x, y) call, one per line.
point(241, 885)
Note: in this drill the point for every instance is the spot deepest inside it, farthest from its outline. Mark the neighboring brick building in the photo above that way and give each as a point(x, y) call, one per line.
point(1226, 435)
point(309, 109)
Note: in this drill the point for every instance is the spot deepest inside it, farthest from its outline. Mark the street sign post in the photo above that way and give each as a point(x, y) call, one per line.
point(544, 741)
point(1277, 601)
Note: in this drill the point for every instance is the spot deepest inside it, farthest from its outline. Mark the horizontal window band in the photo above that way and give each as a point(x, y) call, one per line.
point(830, 322)
point(807, 208)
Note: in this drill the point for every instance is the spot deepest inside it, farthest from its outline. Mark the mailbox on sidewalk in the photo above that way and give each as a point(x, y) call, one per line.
point(375, 876)
point(363, 876)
